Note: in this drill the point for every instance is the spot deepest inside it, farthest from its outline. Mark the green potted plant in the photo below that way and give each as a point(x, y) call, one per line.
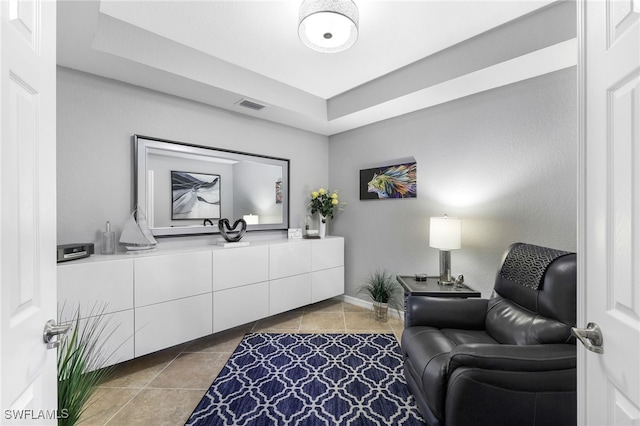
point(382, 288)
point(81, 362)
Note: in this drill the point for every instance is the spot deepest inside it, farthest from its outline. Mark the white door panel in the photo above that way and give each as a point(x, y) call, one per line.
point(609, 224)
point(28, 213)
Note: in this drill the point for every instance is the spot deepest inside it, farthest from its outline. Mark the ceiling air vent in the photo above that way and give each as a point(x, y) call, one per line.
point(250, 104)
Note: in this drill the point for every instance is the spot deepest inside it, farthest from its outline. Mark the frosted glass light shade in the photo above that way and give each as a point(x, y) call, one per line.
point(328, 26)
point(445, 233)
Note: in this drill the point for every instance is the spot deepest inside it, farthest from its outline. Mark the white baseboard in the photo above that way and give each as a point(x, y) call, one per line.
point(367, 305)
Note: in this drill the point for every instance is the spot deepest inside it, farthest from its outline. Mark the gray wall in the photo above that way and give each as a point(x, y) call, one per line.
point(96, 120)
point(503, 160)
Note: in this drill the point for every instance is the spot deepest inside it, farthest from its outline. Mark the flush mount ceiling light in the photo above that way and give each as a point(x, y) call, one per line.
point(328, 26)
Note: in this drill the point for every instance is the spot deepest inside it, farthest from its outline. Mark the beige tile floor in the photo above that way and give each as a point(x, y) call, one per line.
point(163, 388)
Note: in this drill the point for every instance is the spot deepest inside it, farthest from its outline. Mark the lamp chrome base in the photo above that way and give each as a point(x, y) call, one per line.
point(445, 268)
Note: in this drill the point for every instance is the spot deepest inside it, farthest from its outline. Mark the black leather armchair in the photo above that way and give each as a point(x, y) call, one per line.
point(509, 360)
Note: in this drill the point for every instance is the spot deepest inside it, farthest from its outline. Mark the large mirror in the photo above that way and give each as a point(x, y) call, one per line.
point(185, 189)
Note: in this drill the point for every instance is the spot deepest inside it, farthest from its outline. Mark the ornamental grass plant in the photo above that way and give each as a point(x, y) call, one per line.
point(81, 362)
point(382, 287)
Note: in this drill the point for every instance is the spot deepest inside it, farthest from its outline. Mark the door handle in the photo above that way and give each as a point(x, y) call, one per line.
point(51, 330)
point(591, 337)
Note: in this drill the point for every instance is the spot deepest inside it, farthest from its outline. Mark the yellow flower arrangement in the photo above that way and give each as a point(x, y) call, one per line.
point(323, 202)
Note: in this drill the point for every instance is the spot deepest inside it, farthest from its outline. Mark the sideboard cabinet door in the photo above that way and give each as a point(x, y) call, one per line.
point(289, 258)
point(240, 305)
point(101, 287)
point(117, 341)
point(289, 293)
point(95, 284)
point(327, 253)
point(327, 283)
point(235, 267)
point(172, 276)
point(328, 268)
point(162, 325)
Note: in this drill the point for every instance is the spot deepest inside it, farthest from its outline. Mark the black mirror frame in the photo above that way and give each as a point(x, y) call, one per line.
point(142, 143)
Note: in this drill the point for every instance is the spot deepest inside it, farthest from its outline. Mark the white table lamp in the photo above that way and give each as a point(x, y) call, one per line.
point(445, 235)
point(251, 219)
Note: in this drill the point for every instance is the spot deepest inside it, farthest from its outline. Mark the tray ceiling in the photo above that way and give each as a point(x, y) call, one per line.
point(221, 52)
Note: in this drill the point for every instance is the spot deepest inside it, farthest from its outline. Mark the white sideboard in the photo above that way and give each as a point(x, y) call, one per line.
point(165, 298)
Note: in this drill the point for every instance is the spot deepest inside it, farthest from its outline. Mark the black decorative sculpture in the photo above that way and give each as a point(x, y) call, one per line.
point(230, 233)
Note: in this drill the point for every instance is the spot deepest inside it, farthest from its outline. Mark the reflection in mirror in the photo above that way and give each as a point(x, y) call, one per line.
point(185, 189)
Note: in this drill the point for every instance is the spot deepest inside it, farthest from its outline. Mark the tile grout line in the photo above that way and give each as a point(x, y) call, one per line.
point(146, 386)
point(123, 405)
point(344, 318)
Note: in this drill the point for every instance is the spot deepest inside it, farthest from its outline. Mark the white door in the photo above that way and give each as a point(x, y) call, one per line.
point(28, 393)
point(609, 222)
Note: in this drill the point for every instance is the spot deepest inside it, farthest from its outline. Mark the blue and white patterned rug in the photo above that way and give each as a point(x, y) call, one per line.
point(310, 379)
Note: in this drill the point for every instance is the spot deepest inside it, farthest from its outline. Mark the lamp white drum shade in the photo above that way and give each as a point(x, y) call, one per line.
point(445, 233)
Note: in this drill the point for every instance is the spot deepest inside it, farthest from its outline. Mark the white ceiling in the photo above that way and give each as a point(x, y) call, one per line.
point(218, 52)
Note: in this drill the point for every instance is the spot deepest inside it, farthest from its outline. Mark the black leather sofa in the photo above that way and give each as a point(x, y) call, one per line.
point(506, 360)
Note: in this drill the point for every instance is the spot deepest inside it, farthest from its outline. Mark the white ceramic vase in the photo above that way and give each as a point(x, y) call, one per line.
point(322, 226)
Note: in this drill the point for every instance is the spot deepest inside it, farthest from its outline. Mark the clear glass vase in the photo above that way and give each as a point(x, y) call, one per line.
point(380, 310)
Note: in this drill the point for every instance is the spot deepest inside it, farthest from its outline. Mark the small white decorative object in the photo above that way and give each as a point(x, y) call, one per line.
point(294, 233)
point(227, 244)
point(136, 235)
